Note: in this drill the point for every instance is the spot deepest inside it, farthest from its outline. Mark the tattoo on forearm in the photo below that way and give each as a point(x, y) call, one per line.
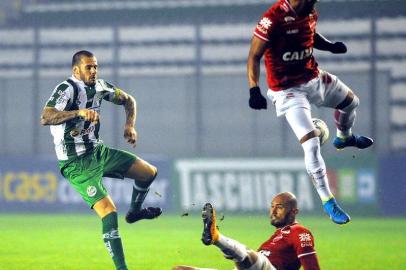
point(130, 110)
point(49, 117)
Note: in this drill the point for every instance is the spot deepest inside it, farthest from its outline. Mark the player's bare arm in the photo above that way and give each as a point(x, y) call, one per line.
point(51, 116)
point(256, 101)
point(254, 59)
point(323, 44)
point(130, 107)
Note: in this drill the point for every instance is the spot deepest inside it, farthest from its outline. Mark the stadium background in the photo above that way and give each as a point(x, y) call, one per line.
point(184, 61)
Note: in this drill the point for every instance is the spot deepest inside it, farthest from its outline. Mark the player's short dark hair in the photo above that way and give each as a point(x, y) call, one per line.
point(78, 56)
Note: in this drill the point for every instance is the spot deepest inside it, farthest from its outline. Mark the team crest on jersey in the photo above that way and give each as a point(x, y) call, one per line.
point(265, 23)
point(91, 191)
point(305, 240)
point(303, 237)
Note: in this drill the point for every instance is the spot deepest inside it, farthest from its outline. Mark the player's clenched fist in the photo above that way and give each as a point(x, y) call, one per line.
point(257, 101)
point(130, 135)
point(88, 115)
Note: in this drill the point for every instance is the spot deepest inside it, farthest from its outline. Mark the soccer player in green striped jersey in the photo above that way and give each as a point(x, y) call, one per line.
point(72, 112)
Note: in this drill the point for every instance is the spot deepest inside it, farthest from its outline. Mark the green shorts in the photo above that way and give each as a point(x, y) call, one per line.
point(85, 173)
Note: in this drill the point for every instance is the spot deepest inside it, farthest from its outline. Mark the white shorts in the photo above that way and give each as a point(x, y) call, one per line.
point(326, 90)
point(262, 263)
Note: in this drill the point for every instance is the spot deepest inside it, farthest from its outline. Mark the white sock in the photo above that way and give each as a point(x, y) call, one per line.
point(316, 168)
point(231, 248)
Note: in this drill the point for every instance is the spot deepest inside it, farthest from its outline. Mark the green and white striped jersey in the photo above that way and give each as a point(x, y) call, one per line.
point(77, 137)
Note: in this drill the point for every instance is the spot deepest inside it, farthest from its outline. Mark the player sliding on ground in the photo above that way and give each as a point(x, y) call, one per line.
point(286, 35)
point(289, 248)
point(73, 113)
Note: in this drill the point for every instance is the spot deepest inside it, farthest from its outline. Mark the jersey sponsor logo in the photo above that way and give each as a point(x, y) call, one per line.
point(289, 19)
point(91, 191)
point(297, 55)
point(75, 132)
point(292, 31)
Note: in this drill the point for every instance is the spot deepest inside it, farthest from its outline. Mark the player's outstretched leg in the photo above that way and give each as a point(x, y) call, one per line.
point(210, 232)
point(358, 141)
point(231, 249)
point(335, 212)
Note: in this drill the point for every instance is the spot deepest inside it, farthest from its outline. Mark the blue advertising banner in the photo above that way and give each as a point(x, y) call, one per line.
point(393, 184)
point(36, 185)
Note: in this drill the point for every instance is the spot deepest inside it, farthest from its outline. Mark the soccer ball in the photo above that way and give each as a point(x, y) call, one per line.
point(324, 132)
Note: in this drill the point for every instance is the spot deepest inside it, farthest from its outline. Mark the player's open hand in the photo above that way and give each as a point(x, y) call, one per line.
point(338, 47)
point(257, 101)
point(88, 115)
point(130, 135)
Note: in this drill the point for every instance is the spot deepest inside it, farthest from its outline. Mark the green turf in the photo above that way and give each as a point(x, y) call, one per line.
point(74, 242)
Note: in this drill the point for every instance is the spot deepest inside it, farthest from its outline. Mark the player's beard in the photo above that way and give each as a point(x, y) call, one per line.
point(89, 82)
point(279, 223)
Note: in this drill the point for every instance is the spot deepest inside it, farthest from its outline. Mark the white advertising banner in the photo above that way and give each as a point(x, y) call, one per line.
point(242, 184)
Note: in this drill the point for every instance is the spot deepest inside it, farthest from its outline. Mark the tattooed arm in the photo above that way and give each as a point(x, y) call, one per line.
point(52, 116)
point(130, 107)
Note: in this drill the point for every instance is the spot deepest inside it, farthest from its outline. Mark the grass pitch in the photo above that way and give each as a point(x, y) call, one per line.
point(74, 242)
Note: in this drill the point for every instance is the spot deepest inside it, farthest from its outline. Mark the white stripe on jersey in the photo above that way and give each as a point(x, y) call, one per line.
point(58, 133)
point(305, 254)
point(102, 90)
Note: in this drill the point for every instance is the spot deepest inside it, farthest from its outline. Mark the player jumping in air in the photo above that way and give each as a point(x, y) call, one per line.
point(285, 36)
point(73, 113)
point(289, 248)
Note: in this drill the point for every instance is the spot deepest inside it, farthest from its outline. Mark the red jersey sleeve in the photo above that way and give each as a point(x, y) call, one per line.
point(303, 242)
point(265, 27)
point(310, 262)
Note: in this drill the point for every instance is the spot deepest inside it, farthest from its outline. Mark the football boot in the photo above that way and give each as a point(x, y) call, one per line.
point(337, 215)
point(145, 213)
point(358, 141)
point(210, 232)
